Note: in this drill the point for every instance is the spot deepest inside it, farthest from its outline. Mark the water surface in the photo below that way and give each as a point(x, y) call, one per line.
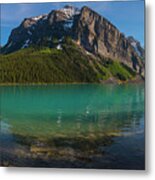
point(88, 125)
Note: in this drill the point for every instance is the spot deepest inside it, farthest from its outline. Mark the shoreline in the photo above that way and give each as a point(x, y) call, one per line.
point(111, 81)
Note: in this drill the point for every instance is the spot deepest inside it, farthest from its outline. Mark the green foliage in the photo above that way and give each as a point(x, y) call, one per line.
point(55, 40)
point(68, 40)
point(118, 71)
point(49, 65)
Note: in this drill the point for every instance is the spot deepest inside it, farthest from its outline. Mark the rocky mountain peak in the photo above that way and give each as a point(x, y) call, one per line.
point(65, 14)
point(89, 30)
point(70, 11)
point(137, 46)
point(28, 22)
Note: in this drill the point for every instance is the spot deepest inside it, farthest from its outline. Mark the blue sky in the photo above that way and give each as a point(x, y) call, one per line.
point(127, 16)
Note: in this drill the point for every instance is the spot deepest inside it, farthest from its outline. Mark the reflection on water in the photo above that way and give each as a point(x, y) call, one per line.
point(79, 121)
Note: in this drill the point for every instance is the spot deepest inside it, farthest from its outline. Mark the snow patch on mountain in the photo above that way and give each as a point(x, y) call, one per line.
point(26, 43)
point(9, 45)
point(134, 45)
point(70, 11)
point(29, 32)
point(68, 24)
point(59, 47)
point(37, 18)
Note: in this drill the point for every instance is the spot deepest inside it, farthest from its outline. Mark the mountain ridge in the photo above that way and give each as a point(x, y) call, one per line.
point(86, 29)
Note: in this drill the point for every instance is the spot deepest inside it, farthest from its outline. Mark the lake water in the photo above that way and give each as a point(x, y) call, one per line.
point(83, 126)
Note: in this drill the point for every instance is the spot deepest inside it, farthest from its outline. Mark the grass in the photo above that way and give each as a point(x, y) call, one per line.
point(118, 71)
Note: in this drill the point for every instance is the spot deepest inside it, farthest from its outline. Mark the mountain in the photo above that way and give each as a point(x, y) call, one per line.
point(136, 45)
point(92, 35)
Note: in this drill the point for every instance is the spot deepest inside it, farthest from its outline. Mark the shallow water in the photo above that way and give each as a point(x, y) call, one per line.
point(88, 125)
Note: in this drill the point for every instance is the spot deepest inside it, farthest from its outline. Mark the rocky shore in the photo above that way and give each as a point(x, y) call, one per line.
point(62, 152)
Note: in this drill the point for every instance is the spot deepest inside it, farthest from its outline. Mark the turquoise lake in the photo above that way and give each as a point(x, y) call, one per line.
point(84, 126)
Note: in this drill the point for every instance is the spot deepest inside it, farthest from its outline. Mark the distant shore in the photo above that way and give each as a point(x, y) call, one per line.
point(111, 80)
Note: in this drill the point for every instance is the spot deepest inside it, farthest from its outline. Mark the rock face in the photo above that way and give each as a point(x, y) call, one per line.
point(41, 30)
point(87, 28)
point(96, 34)
point(137, 46)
